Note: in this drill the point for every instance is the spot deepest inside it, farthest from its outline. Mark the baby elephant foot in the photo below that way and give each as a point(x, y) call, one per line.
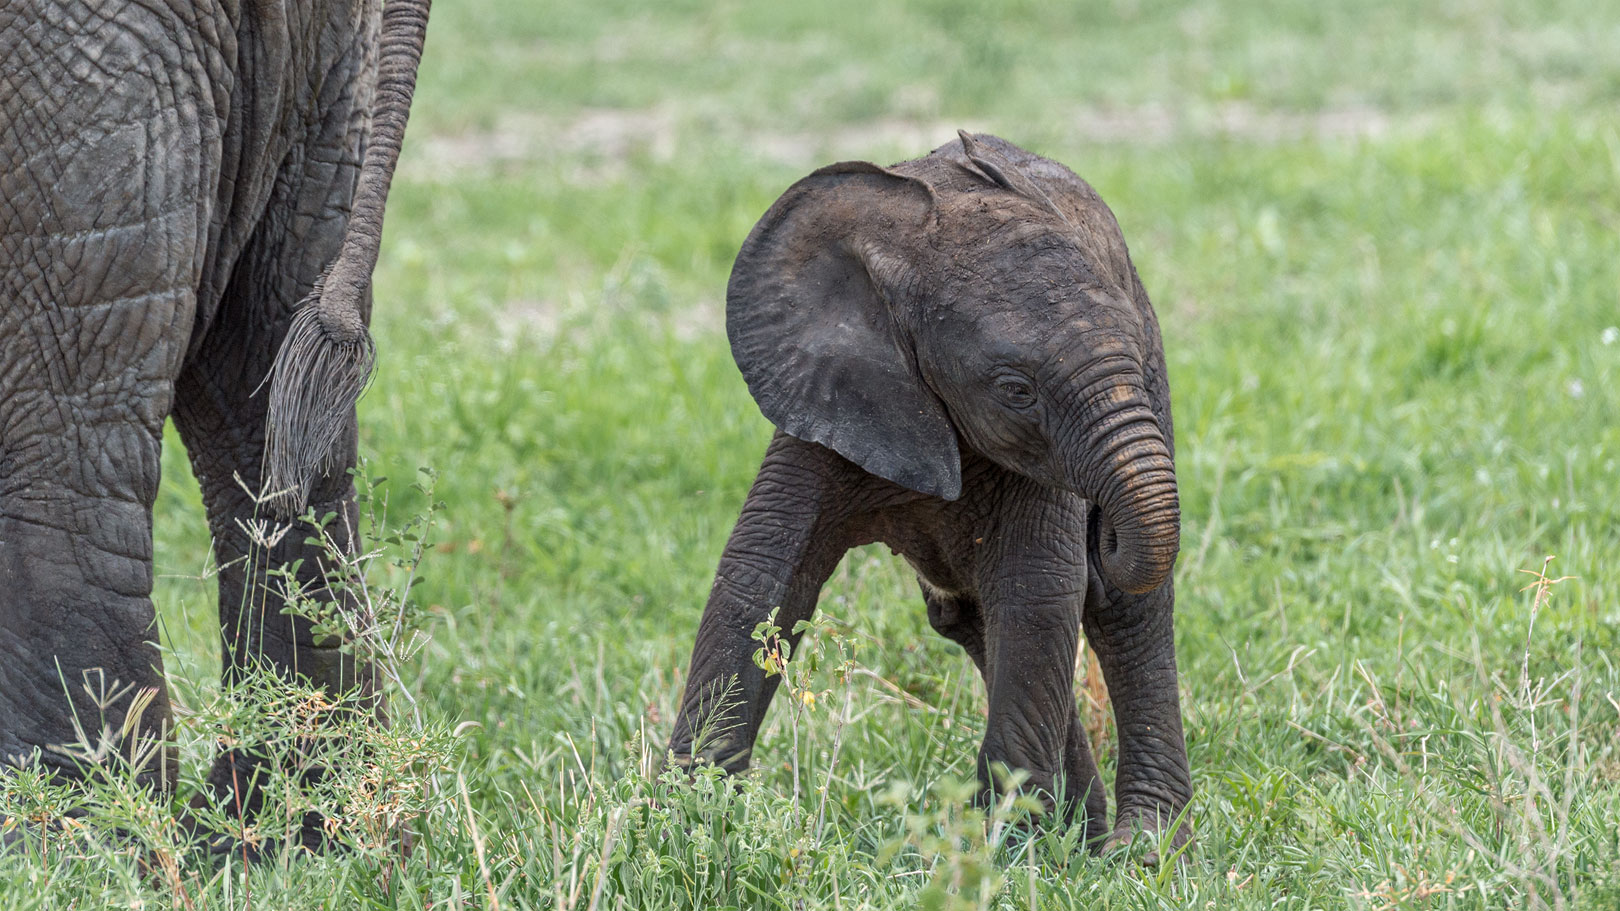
point(731, 758)
point(1150, 838)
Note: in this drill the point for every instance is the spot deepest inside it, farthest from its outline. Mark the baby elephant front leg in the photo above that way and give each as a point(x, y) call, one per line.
point(779, 554)
point(1135, 644)
point(1032, 587)
point(1032, 724)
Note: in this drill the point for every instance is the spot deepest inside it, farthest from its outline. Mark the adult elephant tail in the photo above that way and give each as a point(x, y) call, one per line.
point(326, 357)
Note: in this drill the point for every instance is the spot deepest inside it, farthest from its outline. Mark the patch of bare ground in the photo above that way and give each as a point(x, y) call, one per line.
point(597, 145)
point(545, 321)
point(601, 144)
point(1238, 121)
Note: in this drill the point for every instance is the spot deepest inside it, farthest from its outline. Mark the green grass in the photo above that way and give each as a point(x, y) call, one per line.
point(1383, 246)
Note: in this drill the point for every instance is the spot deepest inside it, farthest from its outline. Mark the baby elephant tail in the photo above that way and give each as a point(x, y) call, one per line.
point(326, 358)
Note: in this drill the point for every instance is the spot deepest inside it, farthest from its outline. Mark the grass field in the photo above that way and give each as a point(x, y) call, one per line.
point(1384, 245)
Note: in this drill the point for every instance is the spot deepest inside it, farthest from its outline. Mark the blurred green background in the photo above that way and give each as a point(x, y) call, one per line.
point(1381, 239)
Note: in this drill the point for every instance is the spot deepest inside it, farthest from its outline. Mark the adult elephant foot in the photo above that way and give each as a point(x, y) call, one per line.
point(242, 842)
point(237, 812)
point(227, 819)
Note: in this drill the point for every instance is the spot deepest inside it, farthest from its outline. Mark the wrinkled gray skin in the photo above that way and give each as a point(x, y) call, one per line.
point(962, 364)
point(174, 176)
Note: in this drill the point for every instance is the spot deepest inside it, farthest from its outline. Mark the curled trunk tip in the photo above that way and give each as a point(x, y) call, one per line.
point(1138, 557)
point(1132, 480)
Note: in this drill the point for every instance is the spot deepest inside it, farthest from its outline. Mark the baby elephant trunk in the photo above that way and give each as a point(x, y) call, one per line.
point(1125, 468)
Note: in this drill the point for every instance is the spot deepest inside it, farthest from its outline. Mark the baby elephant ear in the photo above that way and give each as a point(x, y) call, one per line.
point(811, 311)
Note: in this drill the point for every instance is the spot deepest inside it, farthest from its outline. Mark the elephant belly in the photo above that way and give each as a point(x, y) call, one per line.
point(939, 566)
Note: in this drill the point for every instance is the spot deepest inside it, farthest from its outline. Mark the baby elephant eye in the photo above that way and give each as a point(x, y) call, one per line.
point(1017, 393)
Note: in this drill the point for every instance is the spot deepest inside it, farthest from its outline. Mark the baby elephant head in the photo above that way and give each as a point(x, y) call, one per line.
point(981, 296)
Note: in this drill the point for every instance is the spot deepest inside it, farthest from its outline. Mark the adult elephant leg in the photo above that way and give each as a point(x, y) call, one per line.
point(783, 548)
point(78, 634)
point(109, 137)
point(1032, 580)
point(252, 549)
point(221, 413)
point(1135, 645)
point(255, 633)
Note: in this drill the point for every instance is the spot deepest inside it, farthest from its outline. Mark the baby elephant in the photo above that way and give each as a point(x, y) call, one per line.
point(961, 363)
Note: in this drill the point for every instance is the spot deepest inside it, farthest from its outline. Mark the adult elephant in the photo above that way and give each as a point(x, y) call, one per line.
point(191, 193)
